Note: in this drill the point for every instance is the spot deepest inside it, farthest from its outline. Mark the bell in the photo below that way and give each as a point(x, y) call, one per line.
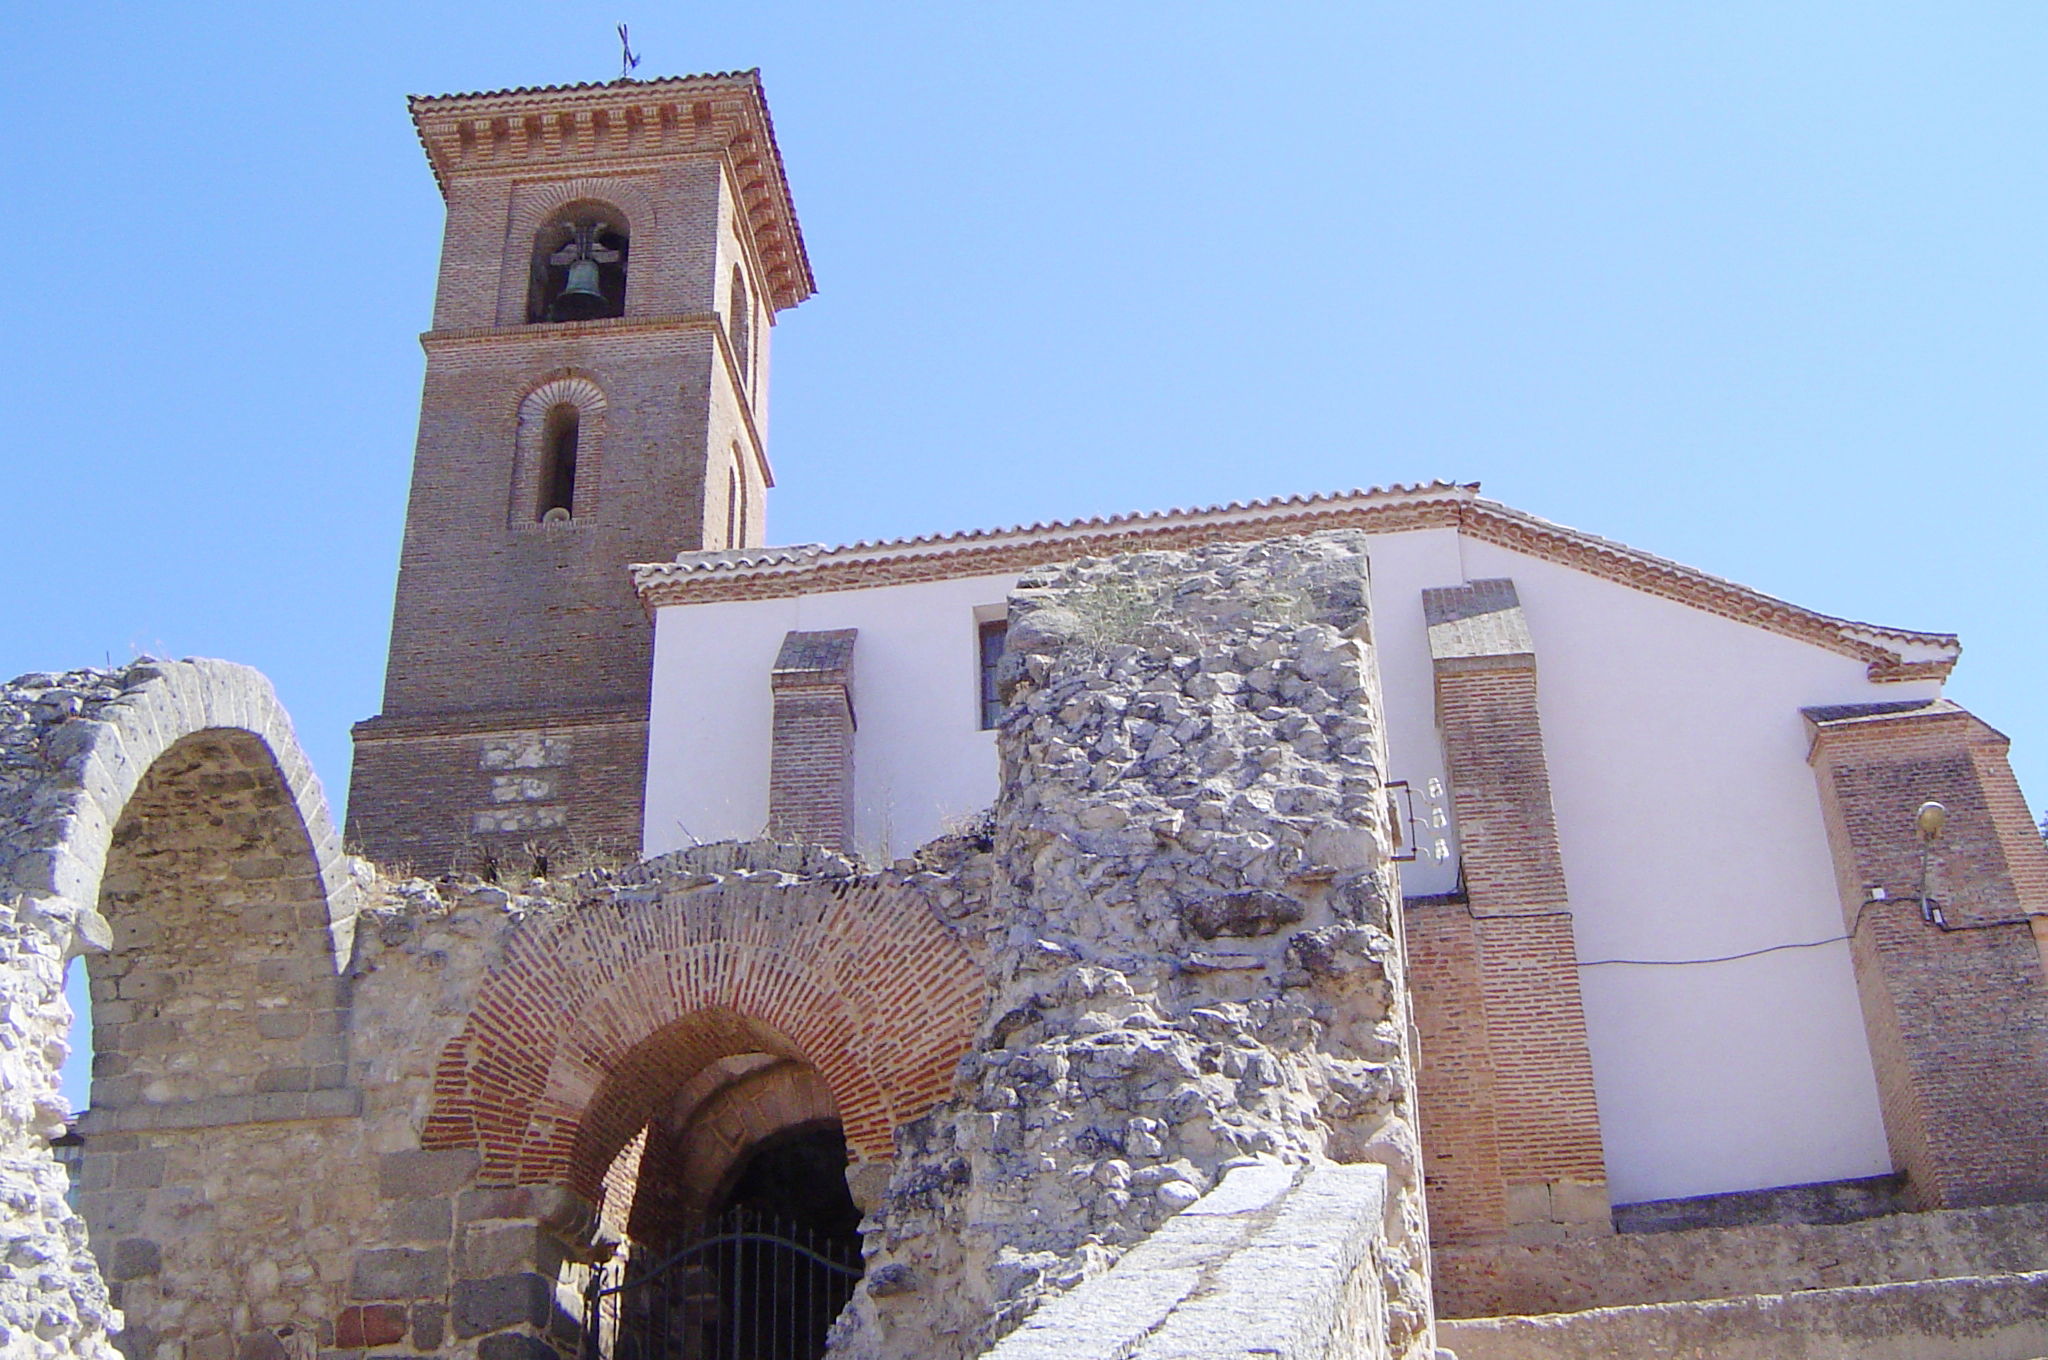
point(581, 298)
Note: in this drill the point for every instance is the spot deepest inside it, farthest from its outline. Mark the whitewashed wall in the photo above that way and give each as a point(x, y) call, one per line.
point(1688, 817)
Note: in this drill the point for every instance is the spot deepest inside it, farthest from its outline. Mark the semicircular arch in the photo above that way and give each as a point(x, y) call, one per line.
point(599, 1014)
point(96, 759)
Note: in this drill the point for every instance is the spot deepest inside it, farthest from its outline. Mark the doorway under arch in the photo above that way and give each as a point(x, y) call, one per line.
point(743, 1239)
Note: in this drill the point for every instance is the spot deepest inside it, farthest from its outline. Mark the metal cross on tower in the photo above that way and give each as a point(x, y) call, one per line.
point(628, 58)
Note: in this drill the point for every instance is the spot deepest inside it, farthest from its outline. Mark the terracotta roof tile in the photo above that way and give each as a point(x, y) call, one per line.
point(801, 569)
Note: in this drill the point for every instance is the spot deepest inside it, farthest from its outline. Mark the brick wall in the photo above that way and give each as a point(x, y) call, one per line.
point(482, 792)
point(1456, 1088)
point(1956, 1012)
point(1511, 1125)
point(810, 777)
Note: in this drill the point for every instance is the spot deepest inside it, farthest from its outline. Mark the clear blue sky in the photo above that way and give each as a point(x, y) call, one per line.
point(1759, 287)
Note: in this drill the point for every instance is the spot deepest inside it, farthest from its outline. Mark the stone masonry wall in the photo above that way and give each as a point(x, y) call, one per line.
point(171, 797)
point(1196, 953)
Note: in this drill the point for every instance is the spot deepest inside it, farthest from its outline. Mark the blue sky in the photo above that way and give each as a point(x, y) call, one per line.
point(1758, 287)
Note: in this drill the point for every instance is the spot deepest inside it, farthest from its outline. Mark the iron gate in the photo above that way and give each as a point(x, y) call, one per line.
point(756, 1289)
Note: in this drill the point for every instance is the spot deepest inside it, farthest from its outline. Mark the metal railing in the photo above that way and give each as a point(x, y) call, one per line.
point(756, 1288)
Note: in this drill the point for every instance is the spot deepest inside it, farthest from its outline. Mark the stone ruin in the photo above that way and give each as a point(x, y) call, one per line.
point(1124, 1068)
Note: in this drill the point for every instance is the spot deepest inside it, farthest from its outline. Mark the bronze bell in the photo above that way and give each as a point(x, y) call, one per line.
point(582, 296)
point(583, 281)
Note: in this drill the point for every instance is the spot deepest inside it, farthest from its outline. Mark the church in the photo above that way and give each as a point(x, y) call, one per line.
point(1598, 956)
point(1645, 811)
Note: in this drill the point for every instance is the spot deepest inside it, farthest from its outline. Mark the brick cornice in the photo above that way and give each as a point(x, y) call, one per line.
point(1856, 728)
point(771, 573)
point(625, 123)
point(395, 726)
point(556, 332)
point(543, 332)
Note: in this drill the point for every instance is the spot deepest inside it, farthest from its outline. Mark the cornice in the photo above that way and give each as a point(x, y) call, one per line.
point(630, 122)
point(466, 722)
point(765, 573)
point(544, 332)
point(456, 337)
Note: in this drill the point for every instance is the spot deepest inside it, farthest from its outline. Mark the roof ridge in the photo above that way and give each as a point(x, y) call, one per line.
point(732, 574)
point(573, 87)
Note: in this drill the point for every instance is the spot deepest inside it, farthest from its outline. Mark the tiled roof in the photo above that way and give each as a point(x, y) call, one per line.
point(443, 120)
point(802, 569)
point(419, 100)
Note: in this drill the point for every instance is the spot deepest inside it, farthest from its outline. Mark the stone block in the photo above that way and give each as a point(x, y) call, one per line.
point(493, 1251)
point(427, 1325)
point(142, 1170)
point(1574, 1201)
point(418, 1175)
point(514, 1347)
point(134, 1257)
point(261, 1346)
point(281, 1024)
point(328, 1104)
point(373, 1324)
point(398, 1273)
point(502, 1301)
point(1527, 1203)
point(506, 1202)
point(420, 1220)
point(285, 1079)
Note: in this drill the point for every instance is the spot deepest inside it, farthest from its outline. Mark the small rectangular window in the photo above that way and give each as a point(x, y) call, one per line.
point(992, 634)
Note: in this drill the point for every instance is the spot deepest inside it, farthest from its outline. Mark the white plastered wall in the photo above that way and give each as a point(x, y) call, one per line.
point(921, 762)
point(1688, 818)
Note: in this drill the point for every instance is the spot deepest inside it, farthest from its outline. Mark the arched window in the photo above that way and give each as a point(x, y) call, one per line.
point(579, 265)
point(558, 463)
point(741, 329)
point(732, 506)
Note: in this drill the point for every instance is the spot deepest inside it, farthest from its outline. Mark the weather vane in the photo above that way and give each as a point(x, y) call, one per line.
point(628, 58)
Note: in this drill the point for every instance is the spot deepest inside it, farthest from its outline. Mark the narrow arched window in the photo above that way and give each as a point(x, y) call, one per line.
point(558, 463)
point(579, 265)
point(732, 507)
point(742, 325)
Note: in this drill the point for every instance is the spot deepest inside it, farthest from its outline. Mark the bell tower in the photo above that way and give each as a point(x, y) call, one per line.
point(596, 395)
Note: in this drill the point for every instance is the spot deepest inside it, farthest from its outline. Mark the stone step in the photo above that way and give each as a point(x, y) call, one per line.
point(1695, 1264)
point(2000, 1317)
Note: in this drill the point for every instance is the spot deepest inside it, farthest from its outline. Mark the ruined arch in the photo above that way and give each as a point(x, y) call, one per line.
point(173, 831)
point(598, 1016)
point(99, 743)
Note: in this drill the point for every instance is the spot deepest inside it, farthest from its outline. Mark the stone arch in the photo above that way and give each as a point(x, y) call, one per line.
point(98, 743)
point(173, 798)
point(598, 1015)
point(564, 387)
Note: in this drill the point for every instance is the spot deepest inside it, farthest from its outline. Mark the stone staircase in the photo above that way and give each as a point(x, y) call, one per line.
point(1964, 1284)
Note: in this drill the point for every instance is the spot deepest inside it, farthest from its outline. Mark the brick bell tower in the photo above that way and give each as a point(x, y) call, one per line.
point(596, 395)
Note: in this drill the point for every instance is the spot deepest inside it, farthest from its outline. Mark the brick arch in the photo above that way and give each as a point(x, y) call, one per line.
point(598, 1015)
point(97, 758)
point(567, 385)
point(630, 198)
point(572, 387)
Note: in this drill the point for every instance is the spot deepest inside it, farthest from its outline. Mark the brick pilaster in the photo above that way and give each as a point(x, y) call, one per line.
point(1507, 1066)
point(810, 776)
point(1956, 1009)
